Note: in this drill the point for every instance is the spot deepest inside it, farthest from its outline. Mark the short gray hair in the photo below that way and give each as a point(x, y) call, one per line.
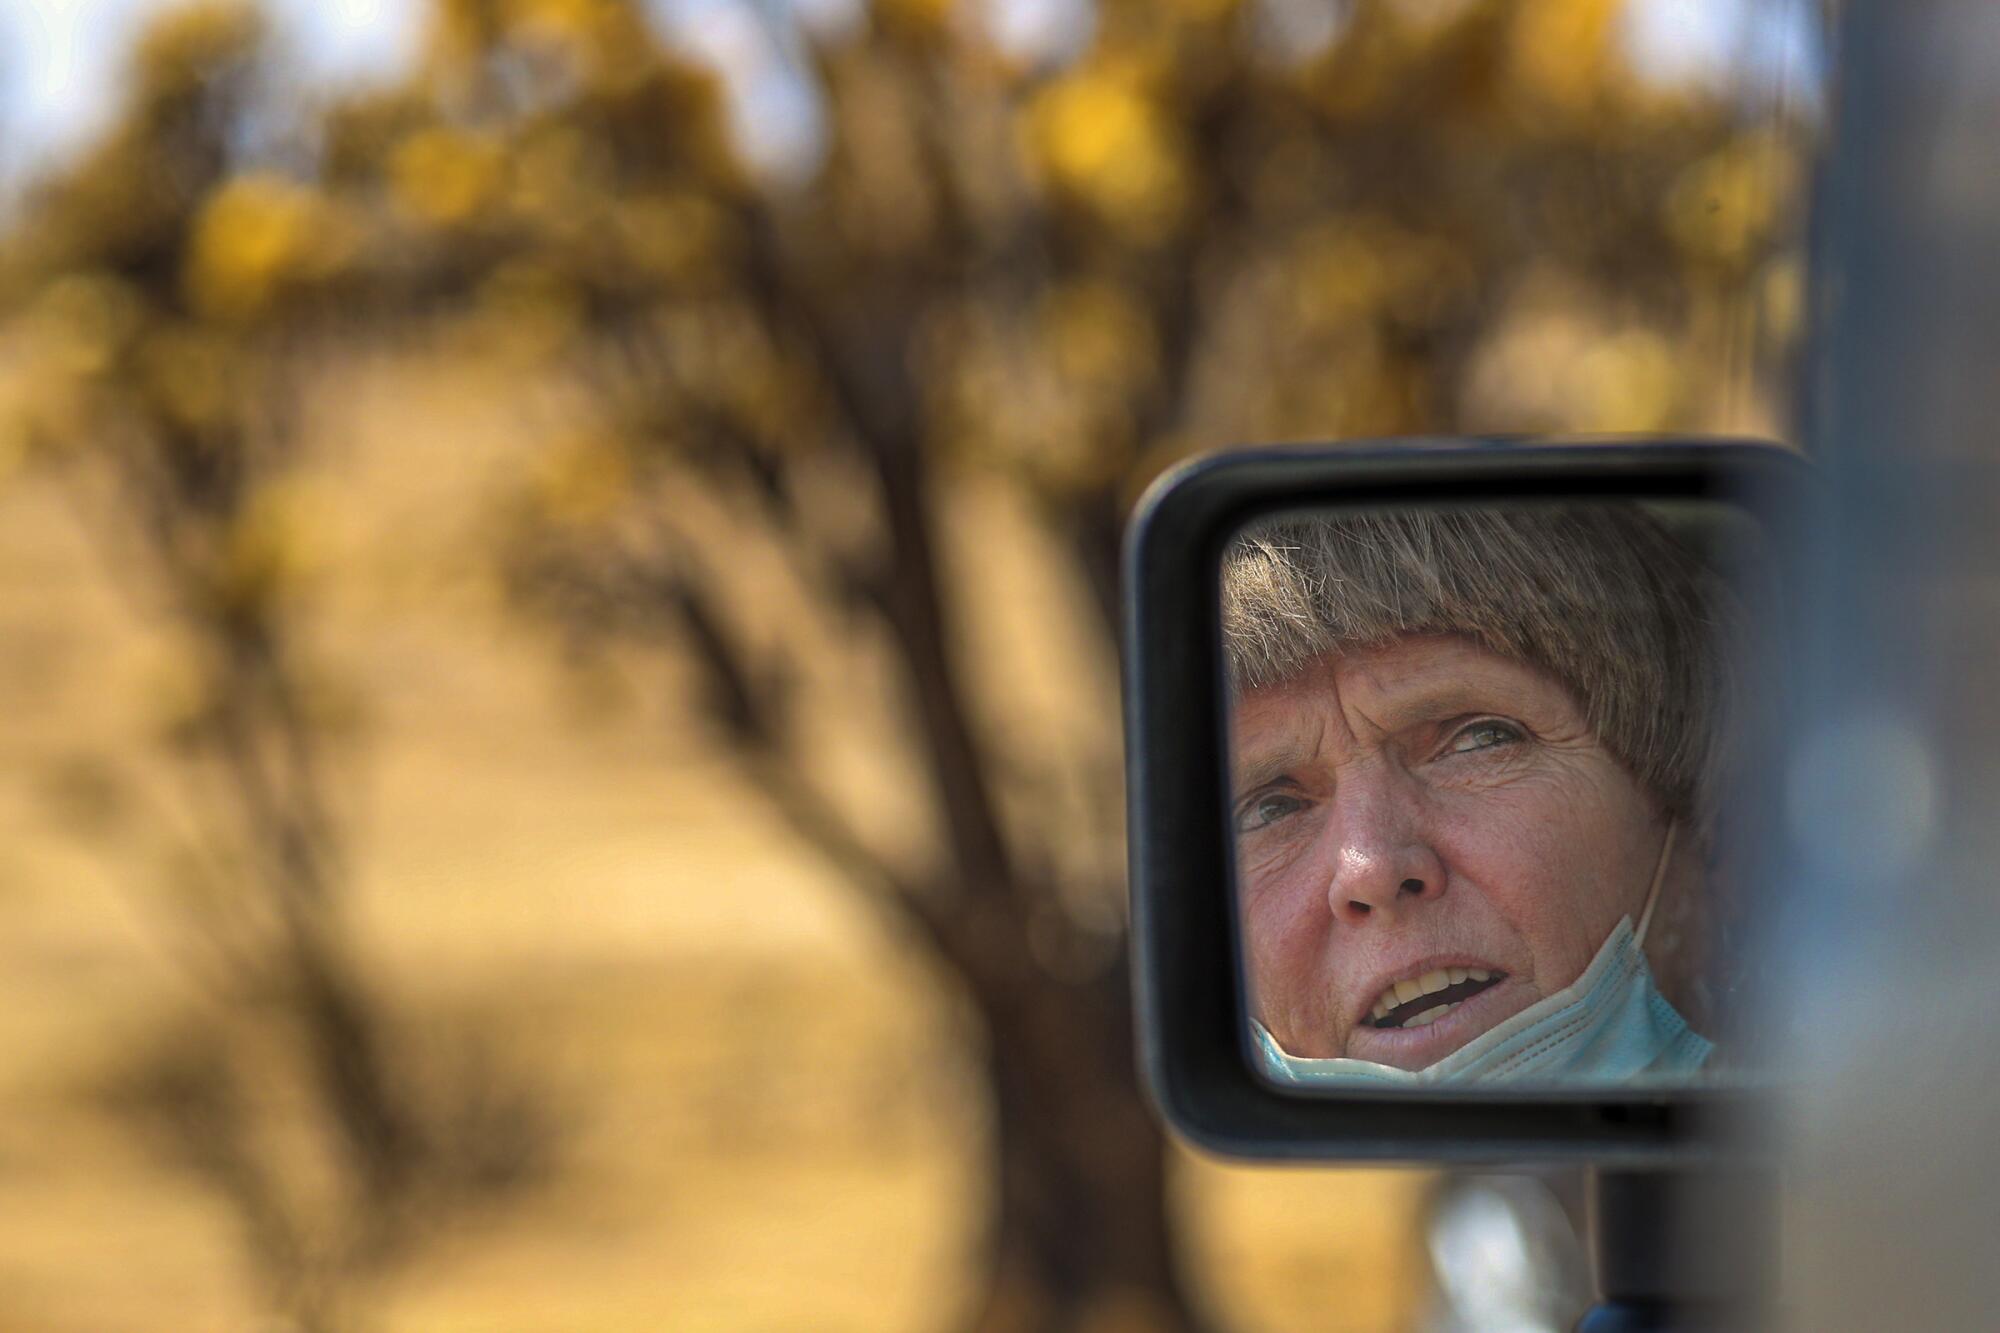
point(1600, 595)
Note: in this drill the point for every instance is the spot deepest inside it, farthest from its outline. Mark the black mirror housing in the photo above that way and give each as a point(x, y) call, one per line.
point(1191, 1000)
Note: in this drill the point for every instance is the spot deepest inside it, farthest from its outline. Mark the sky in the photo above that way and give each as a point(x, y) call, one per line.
point(60, 59)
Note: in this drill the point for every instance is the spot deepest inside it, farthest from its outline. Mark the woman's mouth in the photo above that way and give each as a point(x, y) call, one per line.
point(1419, 1001)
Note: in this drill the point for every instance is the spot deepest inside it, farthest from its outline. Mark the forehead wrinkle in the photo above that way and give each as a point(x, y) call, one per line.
point(1360, 722)
point(1376, 699)
point(1294, 749)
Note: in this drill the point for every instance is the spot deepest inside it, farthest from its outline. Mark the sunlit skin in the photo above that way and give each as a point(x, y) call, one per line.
point(1419, 805)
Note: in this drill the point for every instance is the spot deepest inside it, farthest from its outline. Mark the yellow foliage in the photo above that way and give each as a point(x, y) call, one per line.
point(559, 20)
point(1562, 50)
point(1101, 136)
point(1363, 270)
point(917, 15)
point(457, 33)
point(557, 175)
point(1098, 335)
point(524, 311)
point(1727, 205)
point(604, 43)
point(1340, 272)
point(1424, 21)
point(359, 132)
point(270, 548)
point(444, 176)
point(1205, 11)
point(81, 324)
point(256, 236)
point(674, 235)
point(775, 400)
point(188, 46)
point(192, 374)
point(55, 357)
point(1369, 64)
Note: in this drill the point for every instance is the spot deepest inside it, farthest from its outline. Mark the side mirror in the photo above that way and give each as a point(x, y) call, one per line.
point(1446, 774)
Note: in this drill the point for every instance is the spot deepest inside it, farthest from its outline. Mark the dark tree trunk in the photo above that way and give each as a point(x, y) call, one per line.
point(1079, 1237)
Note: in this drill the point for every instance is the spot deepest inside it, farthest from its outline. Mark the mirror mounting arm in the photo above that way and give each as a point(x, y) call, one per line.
point(1683, 1249)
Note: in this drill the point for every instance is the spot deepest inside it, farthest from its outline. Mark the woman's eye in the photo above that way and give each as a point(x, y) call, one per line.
point(1483, 735)
point(1262, 811)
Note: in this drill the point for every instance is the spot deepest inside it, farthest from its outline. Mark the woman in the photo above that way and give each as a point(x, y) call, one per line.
point(1472, 752)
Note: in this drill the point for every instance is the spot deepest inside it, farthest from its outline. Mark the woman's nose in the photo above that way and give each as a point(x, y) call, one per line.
point(1384, 864)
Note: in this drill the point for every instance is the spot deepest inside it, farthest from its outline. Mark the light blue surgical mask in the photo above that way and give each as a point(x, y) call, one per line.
point(1609, 1025)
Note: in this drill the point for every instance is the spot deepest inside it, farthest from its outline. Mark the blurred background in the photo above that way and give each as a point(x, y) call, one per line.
point(557, 578)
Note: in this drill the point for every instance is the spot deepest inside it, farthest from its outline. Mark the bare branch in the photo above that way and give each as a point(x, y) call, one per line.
point(813, 818)
point(772, 766)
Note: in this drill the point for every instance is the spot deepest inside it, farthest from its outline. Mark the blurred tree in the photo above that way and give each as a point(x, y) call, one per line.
point(1057, 271)
point(1064, 271)
point(166, 300)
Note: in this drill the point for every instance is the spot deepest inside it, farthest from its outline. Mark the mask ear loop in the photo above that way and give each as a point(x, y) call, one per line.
point(1659, 878)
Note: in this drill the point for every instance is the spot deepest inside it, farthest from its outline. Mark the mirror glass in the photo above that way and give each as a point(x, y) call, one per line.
point(1492, 771)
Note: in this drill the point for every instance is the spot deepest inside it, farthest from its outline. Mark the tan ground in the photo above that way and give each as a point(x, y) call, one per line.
point(765, 1125)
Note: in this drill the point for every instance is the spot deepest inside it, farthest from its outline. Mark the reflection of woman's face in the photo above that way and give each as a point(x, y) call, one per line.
point(1429, 840)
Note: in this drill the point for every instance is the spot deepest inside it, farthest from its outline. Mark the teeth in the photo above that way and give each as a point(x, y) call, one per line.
point(1402, 992)
point(1430, 1015)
